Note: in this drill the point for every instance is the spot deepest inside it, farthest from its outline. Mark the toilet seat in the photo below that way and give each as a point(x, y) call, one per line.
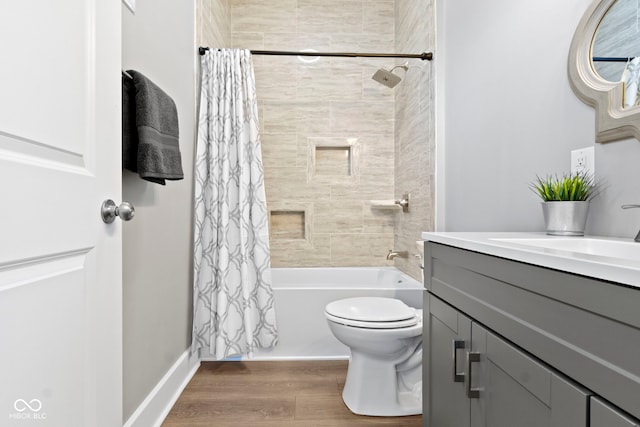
point(372, 313)
point(373, 325)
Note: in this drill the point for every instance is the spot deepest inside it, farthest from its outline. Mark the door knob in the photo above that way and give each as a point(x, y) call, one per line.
point(110, 211)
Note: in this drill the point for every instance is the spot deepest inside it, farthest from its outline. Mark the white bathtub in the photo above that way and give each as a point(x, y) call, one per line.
point(302, 293)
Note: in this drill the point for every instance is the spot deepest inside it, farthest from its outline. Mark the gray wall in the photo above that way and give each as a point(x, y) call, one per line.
point(510, 114)
point(159, 42)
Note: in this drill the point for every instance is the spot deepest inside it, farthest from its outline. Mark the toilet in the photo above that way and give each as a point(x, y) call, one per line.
point(385, 368)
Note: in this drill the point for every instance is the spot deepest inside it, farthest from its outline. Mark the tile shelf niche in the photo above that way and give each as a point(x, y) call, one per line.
point(333, 160)
point(287, 224)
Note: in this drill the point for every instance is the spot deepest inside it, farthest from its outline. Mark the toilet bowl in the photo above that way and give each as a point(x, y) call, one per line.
point(384, 335)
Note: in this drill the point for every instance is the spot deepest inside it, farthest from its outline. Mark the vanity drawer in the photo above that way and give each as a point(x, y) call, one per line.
point(588, 329)
point(603, 415)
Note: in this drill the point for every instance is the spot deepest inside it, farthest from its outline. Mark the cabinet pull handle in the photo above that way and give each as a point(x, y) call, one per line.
point(472, 393)
point(458, 377)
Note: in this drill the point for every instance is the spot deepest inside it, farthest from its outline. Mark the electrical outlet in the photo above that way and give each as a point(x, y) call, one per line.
point(583, 160)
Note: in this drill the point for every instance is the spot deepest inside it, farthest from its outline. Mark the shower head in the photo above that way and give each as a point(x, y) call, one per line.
point(387, 77)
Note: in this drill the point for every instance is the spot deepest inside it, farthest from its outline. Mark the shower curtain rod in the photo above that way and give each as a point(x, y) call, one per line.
point(425, 56)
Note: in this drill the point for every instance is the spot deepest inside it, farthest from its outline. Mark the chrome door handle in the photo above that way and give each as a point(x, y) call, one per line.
point(109, 211)
point(458, 377)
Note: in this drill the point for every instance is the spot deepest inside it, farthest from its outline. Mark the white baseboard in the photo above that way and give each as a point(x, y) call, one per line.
point(155, 408)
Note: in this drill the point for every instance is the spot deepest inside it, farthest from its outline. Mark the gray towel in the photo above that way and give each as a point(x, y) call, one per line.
point(151, 148)
point(129, 131)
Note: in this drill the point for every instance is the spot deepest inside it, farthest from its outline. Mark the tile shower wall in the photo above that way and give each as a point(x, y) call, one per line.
point(213, 22)
point(327, 128)
point(415, 129)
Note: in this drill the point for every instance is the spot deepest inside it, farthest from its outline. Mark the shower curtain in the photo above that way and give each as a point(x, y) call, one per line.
point(232, 296)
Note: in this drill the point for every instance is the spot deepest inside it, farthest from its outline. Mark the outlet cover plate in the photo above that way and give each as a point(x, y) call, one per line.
point(583, 160)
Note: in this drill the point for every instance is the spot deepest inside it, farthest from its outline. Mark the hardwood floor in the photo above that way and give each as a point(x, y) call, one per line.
point(277, 394)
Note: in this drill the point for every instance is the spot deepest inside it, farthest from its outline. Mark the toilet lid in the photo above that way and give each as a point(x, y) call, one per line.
point(373, 312)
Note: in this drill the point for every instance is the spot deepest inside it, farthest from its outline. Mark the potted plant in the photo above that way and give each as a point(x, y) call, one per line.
point(565, 202)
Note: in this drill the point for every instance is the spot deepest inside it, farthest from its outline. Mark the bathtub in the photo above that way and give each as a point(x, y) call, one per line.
point(302, 293)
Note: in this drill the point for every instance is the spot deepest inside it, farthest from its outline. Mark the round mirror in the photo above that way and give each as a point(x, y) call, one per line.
point(603, 70)
point(615, 47)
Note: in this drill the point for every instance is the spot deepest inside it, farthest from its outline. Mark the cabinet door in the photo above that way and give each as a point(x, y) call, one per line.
point(603, 415)
point(513, 389)
point(447, 337)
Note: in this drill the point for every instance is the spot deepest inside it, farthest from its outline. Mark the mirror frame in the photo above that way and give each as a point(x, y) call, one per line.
point(612, 121)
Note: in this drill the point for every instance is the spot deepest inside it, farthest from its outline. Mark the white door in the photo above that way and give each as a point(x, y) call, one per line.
point(60, 265)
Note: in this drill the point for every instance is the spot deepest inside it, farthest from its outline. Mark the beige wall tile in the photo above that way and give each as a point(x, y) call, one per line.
point(313, 118)
point(213, 23)
point(338, 217)
point(359, 42)
point(280, 116)
point(291, 184)
point(362, 117)
point(247, 40)
point(301, 41)
point(378, 17)
point(301, 254)
point(328, 80)
point(414, 131)
point(329, 16)
point(334, 99)
point(263, 16)
point(410, 265)
point(376, 151)
point(368, 189)
point(379, 220)
point(279, 149)
point(355, 250)
point(305, 118)
point(273, 80)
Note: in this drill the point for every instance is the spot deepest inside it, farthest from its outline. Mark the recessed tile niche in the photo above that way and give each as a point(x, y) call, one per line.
point(335, 161)
point(287, 224)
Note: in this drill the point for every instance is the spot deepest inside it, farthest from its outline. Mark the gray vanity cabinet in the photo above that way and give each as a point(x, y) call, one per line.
point(536, 347)
point(447, 335)
point(514, 389)
point(476, 379)
point(604, 415)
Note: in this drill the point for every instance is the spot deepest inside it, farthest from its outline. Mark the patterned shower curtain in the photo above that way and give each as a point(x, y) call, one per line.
point(232, 296)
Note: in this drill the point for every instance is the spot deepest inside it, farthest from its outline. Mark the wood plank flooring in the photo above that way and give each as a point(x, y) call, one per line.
point(275, 394)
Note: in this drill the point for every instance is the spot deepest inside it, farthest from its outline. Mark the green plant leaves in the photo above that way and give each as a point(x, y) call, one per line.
point(576, 187)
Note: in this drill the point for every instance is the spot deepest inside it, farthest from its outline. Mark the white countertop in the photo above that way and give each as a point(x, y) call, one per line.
point(620, 270)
